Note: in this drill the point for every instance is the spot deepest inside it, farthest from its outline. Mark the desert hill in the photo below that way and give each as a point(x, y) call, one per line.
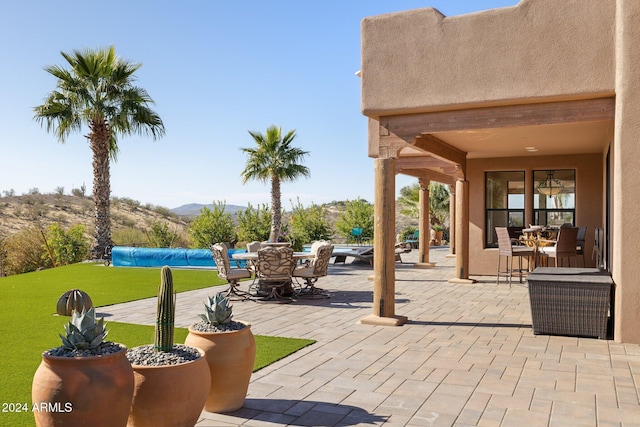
point(41, 210)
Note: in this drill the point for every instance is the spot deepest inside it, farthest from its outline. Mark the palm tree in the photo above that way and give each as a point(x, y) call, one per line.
point(274, 159)
point(98, 92)
point(438, 202)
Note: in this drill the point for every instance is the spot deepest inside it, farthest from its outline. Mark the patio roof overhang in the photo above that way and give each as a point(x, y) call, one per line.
point(436, 145)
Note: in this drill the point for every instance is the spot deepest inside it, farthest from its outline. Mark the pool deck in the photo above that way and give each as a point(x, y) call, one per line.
point(467, 357)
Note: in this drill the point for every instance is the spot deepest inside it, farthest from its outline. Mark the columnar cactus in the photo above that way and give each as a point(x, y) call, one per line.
point(165, 314)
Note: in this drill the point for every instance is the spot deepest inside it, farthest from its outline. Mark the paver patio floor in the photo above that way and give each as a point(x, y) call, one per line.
point(467, 357)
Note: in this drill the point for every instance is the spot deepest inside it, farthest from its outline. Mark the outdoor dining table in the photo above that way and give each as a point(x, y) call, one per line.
point(252, 257)
point(537, 237)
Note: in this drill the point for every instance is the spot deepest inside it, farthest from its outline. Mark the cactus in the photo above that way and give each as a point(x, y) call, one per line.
point(165, 314)
point(218, 310)
point(73, 300)
point(83, 332)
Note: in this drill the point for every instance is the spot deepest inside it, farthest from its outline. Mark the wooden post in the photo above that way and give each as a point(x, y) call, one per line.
point(462, 233)
point(452, 222)
point(384, 263)
point(424, 238)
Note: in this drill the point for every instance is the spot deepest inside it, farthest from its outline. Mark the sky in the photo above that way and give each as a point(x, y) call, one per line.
point(216, 70)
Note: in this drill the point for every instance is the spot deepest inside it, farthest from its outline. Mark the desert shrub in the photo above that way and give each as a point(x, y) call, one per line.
point(212, 226)
point(24, 252)
point(358, 214)
point(254, 224)
point(59, 191)
point(128, 236)
point(161, 237)
point(164, 211)
point(67, 247)
point(79, 192)
point(307, 225)
point(130, 203)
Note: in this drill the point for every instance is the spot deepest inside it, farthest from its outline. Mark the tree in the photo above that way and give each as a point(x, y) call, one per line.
point(66, 246)
point(307, 225)
point(409, 201)
point(212, 226)
point(254, 224)
point(358, 214)
point(275, 159)
point(98, 92)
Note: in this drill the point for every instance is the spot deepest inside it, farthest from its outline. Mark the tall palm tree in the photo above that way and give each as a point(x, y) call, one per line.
point(98, 92)
point(277, 160)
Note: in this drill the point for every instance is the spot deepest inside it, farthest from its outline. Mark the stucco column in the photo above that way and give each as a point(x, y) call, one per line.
point(626, 175)
point(462, 233)
point(452, 222)
point(424, 235)
point(384, 264)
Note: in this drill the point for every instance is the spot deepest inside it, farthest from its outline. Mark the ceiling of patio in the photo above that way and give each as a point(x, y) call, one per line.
point(548, 140)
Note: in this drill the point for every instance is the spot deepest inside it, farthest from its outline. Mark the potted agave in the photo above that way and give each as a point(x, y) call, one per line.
point(86, 381)
point(230, 350)
point(171, 380)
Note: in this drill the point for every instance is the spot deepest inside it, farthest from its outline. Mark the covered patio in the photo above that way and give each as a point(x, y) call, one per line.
point(495, 101)
point(466, 356)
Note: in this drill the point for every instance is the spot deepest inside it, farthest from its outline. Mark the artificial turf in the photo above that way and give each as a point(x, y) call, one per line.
point(28, 324)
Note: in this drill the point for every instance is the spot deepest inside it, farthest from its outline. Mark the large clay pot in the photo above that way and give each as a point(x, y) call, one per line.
point(230, 356)
point(83, 391)
point(171, 395)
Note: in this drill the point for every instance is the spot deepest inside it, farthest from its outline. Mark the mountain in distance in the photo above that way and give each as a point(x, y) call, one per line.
point(193, 209)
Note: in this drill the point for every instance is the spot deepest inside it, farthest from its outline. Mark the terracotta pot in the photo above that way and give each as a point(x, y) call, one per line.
point(171, 395)
point(230, 356)
point(83, 391)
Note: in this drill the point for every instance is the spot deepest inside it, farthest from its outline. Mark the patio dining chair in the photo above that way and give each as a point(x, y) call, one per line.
point(580, 242)
point(317, 267)
point(231, 275)
point(565, 246)
point(507, 249)
point(273, 272)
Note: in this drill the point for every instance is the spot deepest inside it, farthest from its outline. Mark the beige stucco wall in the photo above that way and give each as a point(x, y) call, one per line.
point(589, 200)
point(419, 60)
point(626, 173)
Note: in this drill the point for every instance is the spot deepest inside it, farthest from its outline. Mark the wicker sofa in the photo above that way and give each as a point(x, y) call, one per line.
point(570, 301)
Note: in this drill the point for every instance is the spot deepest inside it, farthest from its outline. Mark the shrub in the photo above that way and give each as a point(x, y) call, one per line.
point(24, 252)
point(307, 225)
point(67, 247)
point(358, 214)
point(254, 224)
point(161, 237)
point(212, 226)
point(128, 236)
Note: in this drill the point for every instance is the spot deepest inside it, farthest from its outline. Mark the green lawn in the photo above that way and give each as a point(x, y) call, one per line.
point(28, 324)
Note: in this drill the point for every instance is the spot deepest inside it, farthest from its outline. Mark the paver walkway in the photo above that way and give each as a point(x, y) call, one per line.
point(467, 357)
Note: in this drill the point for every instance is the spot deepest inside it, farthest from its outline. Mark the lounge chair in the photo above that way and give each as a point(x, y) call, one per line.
point(360, 254)
point(402, 248)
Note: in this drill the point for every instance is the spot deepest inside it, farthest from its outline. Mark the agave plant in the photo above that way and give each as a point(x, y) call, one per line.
point(219, 311)
point(83, 332)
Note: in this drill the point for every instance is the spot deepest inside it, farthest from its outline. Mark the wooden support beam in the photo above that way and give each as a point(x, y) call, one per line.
point(405, 127)
point(438, 148)
point(429, 175)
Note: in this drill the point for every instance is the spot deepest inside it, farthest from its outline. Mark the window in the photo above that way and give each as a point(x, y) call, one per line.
point(554, 197)
point(504, 202)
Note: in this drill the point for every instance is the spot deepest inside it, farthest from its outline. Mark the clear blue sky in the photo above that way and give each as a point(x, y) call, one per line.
point(215, 69)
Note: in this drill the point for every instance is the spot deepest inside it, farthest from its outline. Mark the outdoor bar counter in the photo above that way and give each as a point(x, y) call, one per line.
point(570, 301)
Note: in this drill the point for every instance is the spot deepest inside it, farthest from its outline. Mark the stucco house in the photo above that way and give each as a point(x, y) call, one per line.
point(495, 102)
